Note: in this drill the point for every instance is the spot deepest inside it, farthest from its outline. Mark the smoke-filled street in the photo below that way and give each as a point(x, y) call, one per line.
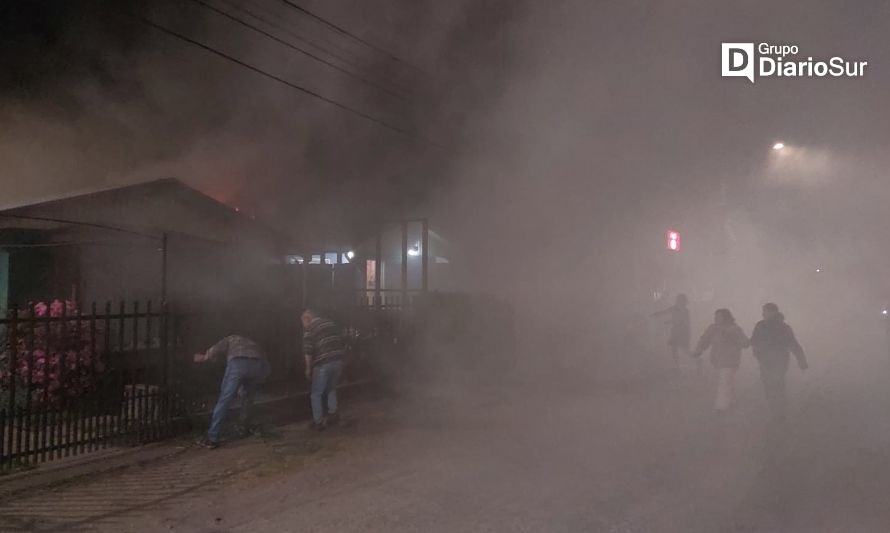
point(463, 265)
point(561, 454)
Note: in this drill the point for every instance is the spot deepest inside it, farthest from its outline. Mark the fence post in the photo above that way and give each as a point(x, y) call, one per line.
point(165, 352)
point(93, 429)
point(29, 355)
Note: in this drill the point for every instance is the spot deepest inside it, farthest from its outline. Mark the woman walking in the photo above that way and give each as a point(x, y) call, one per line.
point(726, 340)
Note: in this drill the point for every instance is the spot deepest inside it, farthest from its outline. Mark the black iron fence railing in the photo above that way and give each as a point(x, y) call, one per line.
point(74, 381)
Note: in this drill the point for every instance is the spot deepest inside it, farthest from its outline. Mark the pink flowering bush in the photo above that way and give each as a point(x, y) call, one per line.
point(58, 355)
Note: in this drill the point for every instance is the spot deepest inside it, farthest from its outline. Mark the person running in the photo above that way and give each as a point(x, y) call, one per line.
point(323, 350)
point(246, 368)
point(679, 338)
point(726, 340)
point(772, 342)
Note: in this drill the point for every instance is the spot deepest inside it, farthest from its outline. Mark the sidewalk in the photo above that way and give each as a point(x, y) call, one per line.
point(108, 490)
point(272, 410)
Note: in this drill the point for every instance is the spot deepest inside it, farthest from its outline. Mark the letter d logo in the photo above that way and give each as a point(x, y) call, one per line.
point(738, 60)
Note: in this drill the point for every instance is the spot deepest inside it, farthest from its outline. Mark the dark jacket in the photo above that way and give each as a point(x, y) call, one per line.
point(773, 340)
point(679, 322)
point(726, 343)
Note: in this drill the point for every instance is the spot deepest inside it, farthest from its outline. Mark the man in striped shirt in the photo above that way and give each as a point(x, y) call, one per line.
point(323, 351)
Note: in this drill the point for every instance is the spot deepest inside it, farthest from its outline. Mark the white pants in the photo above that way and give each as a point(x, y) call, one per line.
point(725, 388)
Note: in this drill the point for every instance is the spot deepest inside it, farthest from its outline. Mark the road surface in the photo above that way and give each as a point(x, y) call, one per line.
point(569, 452)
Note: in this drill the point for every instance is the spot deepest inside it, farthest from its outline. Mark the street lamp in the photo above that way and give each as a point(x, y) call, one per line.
point(778, 146)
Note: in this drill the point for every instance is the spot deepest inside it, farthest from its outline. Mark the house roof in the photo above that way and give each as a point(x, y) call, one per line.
point(150, 208)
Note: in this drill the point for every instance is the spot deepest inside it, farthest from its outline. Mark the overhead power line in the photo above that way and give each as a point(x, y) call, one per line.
point(298, 49)
point(287, 31)
point(346, 32)
point(283, 81)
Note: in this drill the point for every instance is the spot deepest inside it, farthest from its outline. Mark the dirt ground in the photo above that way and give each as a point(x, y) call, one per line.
point(565, 453)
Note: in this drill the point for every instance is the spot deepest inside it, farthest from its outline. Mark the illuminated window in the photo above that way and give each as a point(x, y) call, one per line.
point(370, 274)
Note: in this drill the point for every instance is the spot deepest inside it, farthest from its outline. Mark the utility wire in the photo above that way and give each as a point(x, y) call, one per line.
point(342, 30)
point(298, 49)
point(283, 81)
point(78, 223)
point(291, 33)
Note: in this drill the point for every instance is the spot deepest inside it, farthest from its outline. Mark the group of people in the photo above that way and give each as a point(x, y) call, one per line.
point(247, 367)
point(772, 342)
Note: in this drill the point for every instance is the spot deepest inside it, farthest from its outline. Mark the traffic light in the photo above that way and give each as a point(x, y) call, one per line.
point(673, 240)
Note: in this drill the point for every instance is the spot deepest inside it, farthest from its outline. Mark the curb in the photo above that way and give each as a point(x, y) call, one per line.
point(55, 473)
point(275, 412)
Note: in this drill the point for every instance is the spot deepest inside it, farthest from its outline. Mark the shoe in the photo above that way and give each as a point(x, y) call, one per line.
point(333, 420)
point(317, 426)
point(207, 443)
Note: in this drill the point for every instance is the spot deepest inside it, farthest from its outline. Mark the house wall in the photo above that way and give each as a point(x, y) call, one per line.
point(111, 273)
point(441, 267)
point(4, 281)
point(34, 276)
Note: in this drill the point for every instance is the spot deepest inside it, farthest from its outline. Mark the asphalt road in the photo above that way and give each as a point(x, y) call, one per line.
point(569, 452)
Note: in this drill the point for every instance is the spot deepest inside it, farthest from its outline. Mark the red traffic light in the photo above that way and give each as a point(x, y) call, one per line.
point(673, 240)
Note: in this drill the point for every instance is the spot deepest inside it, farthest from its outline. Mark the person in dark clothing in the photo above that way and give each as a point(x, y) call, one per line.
point(726, 340)
point(324, 350)
point(772, 342)
point(679, 338)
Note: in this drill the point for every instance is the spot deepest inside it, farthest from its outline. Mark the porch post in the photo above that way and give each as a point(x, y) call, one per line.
point(164, 270)
point(425, 257)
point(378, 268)
point(404, 262)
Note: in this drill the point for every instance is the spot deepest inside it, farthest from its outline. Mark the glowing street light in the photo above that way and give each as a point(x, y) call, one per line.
point(350, 255)
point(778, 146)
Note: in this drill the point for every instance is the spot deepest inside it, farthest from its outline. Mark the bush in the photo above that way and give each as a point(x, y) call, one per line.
point(59, 356)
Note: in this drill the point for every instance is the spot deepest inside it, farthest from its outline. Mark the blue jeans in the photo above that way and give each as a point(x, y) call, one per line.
point(325, 378)
point(241, 372)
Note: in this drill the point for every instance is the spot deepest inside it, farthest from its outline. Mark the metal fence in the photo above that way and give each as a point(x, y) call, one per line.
point(378, 330)
point(73, 381)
